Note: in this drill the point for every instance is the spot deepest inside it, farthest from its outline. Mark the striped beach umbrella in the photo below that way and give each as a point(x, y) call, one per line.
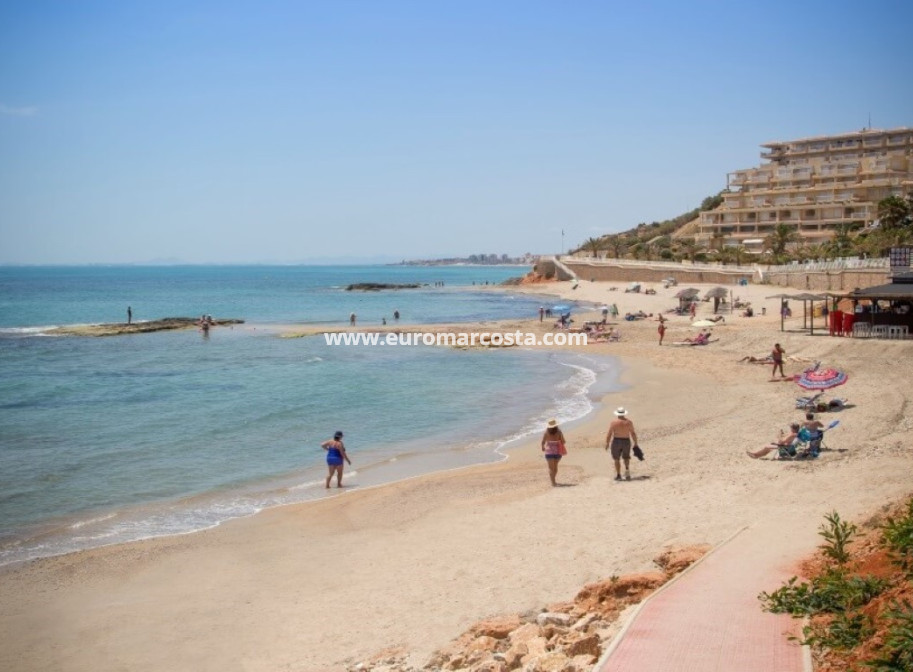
point(821, 379)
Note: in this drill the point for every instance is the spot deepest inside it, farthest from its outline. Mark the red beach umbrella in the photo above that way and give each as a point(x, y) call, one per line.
point(821, 379)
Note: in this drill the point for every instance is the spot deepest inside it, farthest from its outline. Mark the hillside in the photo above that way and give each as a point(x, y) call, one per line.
point(668, 239)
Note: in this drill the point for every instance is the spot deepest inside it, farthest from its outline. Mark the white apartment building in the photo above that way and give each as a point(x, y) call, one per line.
point(812, 185)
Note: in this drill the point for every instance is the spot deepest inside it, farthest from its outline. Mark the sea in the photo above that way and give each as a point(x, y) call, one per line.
point(106, 440)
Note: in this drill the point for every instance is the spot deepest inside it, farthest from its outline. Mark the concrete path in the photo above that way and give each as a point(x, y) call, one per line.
point(710, 619)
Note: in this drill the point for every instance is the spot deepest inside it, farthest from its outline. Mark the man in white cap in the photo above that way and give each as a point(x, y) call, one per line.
point(620, 438)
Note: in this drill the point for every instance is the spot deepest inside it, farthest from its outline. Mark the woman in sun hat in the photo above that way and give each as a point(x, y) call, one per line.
point(620, 438)
point(553, 447)
point(336, 453)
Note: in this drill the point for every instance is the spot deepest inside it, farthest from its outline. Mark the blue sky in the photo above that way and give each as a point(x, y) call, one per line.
point(260, 132)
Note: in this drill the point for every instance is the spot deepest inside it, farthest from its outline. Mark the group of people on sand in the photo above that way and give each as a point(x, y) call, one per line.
point(621, 440)
point(811, 431)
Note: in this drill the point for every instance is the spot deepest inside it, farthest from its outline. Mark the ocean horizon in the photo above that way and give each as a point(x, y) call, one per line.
point(114, 439)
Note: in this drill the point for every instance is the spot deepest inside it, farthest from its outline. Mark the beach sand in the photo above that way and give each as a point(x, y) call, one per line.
point(309, 587)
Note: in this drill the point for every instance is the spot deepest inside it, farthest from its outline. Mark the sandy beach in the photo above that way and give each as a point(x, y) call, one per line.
point(311, 587)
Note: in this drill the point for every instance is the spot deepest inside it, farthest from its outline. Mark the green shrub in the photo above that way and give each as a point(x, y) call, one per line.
point(844, 632)
point(896, 652)
point(898, 537)
point(832, 592)
point(838, 535)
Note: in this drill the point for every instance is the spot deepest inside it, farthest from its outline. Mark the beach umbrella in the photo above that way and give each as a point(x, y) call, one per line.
point(717, 293)
point(821, 379)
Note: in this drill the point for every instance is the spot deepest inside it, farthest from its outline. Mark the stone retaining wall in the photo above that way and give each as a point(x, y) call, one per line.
point(815, 281)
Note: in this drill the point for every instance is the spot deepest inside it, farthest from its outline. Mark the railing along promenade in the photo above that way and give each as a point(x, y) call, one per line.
point(835, 275)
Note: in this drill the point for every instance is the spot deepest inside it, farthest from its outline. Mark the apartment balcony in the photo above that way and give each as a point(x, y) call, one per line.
point(774, 154)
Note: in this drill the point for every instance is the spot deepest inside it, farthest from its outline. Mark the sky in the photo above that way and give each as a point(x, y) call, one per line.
point(371, 131)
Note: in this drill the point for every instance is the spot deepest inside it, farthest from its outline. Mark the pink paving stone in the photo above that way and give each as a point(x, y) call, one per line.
point(710, 619)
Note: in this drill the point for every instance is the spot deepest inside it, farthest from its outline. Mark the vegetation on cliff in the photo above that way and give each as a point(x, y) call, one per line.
point(670, 240)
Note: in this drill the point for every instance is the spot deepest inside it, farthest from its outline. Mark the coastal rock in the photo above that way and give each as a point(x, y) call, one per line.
point(584, 663)
point(679, 559)
point(483, 644)
point(489, 666)
point(498, 627)
point(553, 618)
point(609, 596)
point(588, 645)
point(513, 657)
point(554, 661)
point(535, 649)
point(122, 328)
point(525, 633)
point(584, 622)
point(378, 286)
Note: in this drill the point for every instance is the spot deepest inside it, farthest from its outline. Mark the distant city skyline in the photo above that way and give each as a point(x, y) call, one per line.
point(286, 132)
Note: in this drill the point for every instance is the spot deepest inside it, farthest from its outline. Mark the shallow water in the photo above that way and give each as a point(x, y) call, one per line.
point(104, 440)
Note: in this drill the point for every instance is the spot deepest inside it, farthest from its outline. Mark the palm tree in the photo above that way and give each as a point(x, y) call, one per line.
point(618, 246)
point(782, 236)
point(689, 248)
point(594, 245)
point(842, 243)
point(893, 213)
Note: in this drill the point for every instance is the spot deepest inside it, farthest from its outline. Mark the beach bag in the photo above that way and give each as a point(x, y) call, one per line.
point(638, 453)
point(562, 450)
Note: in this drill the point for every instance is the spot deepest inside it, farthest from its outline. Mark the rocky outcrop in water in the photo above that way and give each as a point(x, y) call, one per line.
point(377, 286)
point(121, 328)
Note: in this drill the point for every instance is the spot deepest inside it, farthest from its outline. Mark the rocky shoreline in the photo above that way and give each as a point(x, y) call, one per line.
point(564, 637)
point(378, 286)
point(121, 328)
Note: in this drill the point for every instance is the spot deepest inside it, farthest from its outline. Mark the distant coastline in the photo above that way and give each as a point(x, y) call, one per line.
point(472, 260)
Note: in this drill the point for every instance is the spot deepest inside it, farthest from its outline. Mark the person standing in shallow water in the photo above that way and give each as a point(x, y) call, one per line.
point(336, 453)
point(129, 315)
point(620, 438)
point(553, 447)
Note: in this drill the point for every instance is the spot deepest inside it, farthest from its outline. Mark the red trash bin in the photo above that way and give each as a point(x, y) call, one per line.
point(835, 323)
point(848, 319)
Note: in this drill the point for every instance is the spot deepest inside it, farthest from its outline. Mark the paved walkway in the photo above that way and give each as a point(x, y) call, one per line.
point(709, 618)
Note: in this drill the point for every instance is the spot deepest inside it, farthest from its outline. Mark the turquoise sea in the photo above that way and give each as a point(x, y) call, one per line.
point(113, 439)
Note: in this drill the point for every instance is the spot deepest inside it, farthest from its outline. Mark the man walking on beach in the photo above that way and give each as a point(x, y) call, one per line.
point(777, 356)
point(620, 438)
point(129, 314)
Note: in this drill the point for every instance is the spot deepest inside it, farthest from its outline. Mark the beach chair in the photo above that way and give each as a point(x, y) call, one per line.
point(808, 403)
point(810, 444)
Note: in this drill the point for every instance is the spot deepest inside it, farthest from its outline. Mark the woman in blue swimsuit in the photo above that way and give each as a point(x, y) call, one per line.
point(336, 453)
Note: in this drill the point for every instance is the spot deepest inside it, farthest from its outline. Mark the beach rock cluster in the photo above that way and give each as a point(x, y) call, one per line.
point(531, 278)
point(563, 637)
point(377, 286)
point(143, 327)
